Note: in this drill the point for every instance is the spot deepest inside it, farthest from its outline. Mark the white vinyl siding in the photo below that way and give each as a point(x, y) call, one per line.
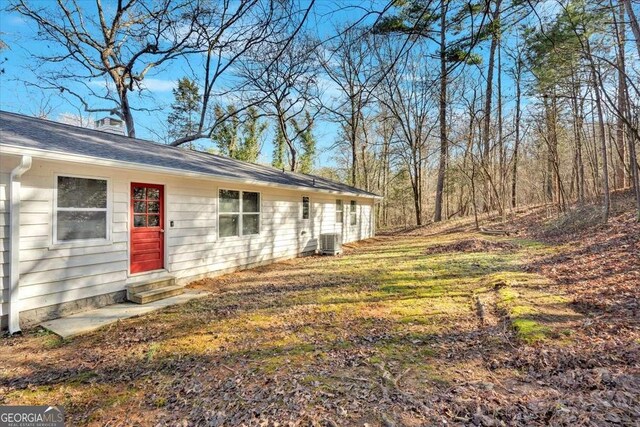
point(53, 274)
point(4, 239)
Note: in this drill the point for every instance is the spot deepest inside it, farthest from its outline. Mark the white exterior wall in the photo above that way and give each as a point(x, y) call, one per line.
point(4, 242)
point(53, 273)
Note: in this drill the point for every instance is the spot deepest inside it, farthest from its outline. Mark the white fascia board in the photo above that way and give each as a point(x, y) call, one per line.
point(78, 158)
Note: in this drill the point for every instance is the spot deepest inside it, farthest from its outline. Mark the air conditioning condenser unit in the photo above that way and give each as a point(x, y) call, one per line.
point(330, 244)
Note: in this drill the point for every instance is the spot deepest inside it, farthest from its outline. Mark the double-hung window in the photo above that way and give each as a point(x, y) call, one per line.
point(239, 213)
point(339, 211)
point(306, 207)
point(352, 213)
point(80, 209)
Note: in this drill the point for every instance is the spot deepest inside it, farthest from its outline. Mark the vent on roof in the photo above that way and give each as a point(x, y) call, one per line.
point(111, 125)
point(330, 244)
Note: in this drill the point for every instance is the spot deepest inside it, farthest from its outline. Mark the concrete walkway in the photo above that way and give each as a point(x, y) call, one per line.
point(87, 321)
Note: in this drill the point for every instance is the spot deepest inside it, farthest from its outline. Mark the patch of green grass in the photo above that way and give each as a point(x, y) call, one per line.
point(49, 339)
point(529, 330)
point(160, 402)
point(532, 311)
point(118, 398)
point(85, 377)
point(151, 352)
point(507, 295)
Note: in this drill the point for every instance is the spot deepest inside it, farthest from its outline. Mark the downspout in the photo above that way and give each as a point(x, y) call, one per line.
point(14, 249)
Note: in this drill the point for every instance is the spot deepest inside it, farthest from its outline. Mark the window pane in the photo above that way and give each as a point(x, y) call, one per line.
point(153, 207)
point(228, 225)
point(81, 225)
point(229, 201)
point(153, 194)
point(139, 193)
point(339, 205)
point(139, 220)
point(139, 207)
point(153, 221)
point(352, 213)
point(250, 224)
point(339, 216)
point(305, 208)
point(250, 202)
point(81, 192)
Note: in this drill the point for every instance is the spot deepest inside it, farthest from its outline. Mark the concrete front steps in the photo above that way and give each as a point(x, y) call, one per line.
point(144, 290)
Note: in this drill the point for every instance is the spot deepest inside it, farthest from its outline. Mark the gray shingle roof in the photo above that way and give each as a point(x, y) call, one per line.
point(30, 132)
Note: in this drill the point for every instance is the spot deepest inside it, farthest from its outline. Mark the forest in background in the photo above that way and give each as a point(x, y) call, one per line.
point(447, 108)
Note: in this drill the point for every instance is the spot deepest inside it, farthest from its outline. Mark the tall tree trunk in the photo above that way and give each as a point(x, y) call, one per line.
point(127, 115)
point(292, 149)
point(354, 143)
point(516, 147)
point(442, 114)
point(486, 134)
point(577, 108)
point(633, 21)
point(635, 174)
point(502, 161)
point(606, 202)
point(622, 96)
point(365, 168)
point(417, 196)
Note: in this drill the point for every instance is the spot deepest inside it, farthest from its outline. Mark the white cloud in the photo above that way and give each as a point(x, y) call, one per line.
point(158, 85)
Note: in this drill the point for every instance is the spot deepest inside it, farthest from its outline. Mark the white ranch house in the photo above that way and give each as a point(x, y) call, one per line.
point(86, 215)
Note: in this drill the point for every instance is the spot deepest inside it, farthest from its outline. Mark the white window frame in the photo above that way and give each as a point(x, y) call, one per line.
point(302, 208)
point(108, 210)
point(341, 211)
point(240, 213)
point(353, 214)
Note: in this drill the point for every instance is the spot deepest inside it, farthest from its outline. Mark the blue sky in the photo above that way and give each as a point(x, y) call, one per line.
point(19, 33)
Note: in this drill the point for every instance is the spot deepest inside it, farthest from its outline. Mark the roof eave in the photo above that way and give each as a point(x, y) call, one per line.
point(79, 158)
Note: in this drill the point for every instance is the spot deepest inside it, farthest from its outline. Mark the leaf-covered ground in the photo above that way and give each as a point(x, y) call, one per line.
point(430, 327)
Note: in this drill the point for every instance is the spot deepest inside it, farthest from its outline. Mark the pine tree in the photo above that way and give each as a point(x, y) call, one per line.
point(308, 143)
point(183, 119)
point(252, 131)
point(447, 25)
point(226, 133)
point(278, 150)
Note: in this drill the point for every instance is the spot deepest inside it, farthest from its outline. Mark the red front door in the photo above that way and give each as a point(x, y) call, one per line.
point(147, 227)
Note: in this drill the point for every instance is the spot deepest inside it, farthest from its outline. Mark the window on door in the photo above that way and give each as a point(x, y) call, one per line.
point(306, 207)
point(146, 207)
point(239, 213)
point(353, 214)
point(339, 211)
point(81, 209)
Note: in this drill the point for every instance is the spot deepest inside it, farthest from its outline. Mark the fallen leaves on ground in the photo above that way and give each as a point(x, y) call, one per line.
point(404, 329)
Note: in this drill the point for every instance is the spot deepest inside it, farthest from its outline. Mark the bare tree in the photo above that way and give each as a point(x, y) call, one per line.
point(282, 80)
point(348, 62)
point(407, 93)
point(234, 35)
point(117, 48)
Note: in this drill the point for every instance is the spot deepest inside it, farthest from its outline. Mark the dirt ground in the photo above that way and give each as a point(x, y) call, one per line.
point(433, 326)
